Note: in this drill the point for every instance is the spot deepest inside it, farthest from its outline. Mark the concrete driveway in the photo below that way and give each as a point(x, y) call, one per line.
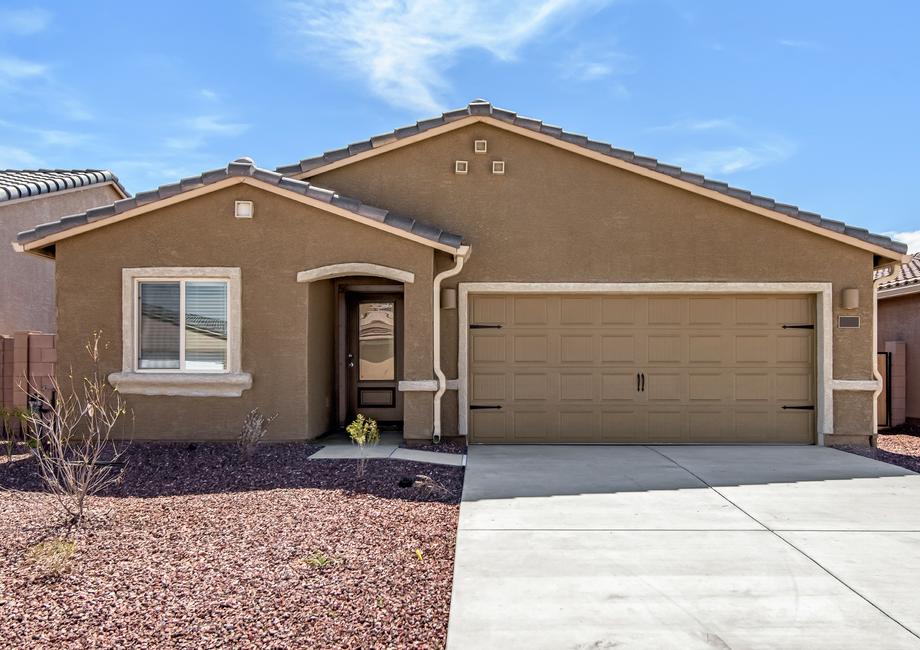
point(685, 547)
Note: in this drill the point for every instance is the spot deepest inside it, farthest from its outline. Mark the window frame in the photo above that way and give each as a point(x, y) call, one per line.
point(182, 281)
point(132, 279)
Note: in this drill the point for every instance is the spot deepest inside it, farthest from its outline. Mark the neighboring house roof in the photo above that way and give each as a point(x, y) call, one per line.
point(483, 111)
point(25, 183)
point(907, 280)
point(240, 170)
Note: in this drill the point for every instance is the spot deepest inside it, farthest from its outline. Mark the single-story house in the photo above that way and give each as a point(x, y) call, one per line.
point(899, 343)
point(480, 274)
point(29, 197)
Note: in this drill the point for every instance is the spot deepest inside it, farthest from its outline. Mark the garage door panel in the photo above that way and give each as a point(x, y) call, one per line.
point(619, 349)
point(577, 348)
point(579, 310)
point(488, 348)
point(665, 348)
point(531, 310)
point(531, 348)
point(619, 386)
point(566, 368)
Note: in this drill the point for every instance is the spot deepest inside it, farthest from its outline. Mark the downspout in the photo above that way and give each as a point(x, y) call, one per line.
point(875, 371)
point(459, 258)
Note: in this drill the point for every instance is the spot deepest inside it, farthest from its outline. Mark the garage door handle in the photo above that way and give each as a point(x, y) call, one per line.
point(638, 383)
point(479, 407)
point(478, 326)
point(798, 408)
point(643, 382)
point(798, 327)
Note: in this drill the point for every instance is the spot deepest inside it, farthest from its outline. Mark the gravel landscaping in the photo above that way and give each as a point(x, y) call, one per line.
point(897, 449)
point(195, 549)
point(446, 446)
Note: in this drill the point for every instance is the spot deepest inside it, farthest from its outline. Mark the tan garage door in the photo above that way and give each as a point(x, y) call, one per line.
point(645, 369)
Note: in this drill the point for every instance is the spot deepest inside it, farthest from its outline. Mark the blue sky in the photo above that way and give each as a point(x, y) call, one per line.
point(812, 103)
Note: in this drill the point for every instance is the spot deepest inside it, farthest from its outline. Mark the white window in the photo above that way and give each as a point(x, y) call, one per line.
point(181, 332)
point(181, 325)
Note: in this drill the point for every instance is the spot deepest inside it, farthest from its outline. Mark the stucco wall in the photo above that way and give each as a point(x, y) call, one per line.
point(899, 320)
point(556, 216)
point(27, 281)
point(284, 238)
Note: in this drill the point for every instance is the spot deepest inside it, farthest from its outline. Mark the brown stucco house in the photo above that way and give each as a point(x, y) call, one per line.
point(29, 197)
point(899, 343)
point(479, 274)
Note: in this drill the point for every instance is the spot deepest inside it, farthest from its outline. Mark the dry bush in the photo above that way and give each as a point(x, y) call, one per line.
point(52, 557)
point(365, 433)
point(255, 426)
point(430, 487)
point(71, 436)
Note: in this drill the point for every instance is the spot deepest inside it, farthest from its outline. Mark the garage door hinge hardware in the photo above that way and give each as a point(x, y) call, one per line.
point(798, 408)
point(478, 407)
point(477, 326)
point(798, 327)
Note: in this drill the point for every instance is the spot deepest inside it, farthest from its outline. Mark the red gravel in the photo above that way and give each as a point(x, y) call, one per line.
point(196, 550)
point(897, 449)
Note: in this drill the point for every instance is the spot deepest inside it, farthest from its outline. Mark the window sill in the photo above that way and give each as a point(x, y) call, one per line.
point(181, 384)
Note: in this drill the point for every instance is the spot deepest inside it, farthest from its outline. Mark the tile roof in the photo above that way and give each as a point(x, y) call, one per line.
point(245, 167)
point(907, 276)
point(483, 108)
point(22, 183)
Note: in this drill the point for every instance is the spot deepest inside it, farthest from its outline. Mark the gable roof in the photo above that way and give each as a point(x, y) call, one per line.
point(907, 280)
point(26, 183)
point(482, 111)
point(241, 170)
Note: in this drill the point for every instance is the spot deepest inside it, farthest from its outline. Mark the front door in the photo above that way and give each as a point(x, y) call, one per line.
point(373, 356)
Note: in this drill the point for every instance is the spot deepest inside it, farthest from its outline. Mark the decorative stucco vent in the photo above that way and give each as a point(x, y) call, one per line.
point(480, 146)
point(243, 209)
point(498, 167)
point(461, 167)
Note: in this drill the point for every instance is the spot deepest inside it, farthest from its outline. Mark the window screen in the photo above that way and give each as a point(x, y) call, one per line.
point(182, 325)
point(159, 332)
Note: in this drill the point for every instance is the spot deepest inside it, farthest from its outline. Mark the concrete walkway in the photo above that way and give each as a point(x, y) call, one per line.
point(339, 447)
point(685, 547)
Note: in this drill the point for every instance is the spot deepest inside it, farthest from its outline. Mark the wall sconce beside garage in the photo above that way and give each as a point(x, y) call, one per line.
point(243, 209)
point(850, 298)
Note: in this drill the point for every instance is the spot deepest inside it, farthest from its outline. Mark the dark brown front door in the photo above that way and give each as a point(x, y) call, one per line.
point(374, 356)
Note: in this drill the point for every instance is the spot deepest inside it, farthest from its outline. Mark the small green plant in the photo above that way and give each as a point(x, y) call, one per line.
point(316, 560)
point(364, 433)
point(9, 418)
point(52, 557)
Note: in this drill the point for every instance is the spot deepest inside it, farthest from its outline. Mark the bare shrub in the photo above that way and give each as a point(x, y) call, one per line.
point(364, 433)
point(255, 426)
point(12, 421)
point(52, 557)
point(70, 435)
point(430, 487)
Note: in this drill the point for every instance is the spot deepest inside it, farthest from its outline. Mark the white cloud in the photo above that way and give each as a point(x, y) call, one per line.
point(15, 69)
point(24, 22)
point(15, 158)
point(215, 125)
point(592, 64)
point(731, 160)
point(402, 47)
point(909, 237)
point(208, 94)
point(799, 44)
point(697, 125)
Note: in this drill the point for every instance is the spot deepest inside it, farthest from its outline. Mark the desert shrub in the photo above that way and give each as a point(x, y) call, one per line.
point(255, 426)
point(364, 433)
point(71, 436)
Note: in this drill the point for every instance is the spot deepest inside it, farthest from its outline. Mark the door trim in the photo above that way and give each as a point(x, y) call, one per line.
point(824, 338)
